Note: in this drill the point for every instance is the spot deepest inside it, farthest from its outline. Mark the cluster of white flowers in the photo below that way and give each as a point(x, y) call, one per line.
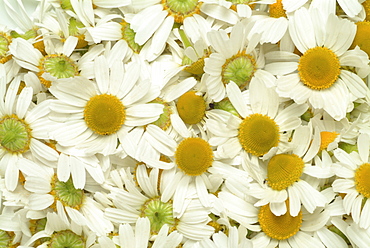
point(185, 123)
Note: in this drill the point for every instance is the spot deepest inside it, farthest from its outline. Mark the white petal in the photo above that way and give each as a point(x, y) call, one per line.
point(78, 173)
point(101, 74)
point(24, 101)
point(40, 201)
point(236, 98)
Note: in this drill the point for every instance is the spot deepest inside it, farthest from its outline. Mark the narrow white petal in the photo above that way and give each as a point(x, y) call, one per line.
point(40, 201)
point(63, 169)
point(101, 74)
point(24, 101)
point(236, 98)
point(78, 173)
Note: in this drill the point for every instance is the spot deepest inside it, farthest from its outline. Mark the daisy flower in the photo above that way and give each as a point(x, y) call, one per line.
point(286, 177)
point(58, 63)
point(48, 192)
point(272, 25)
point(93, 116)
point(259, 129)
point(22, 132)
point(328, 55)
point(351, 170)
point(54, 231)
point(152, 197)
point(190, 156)
point(162, 16)
point(235, 60)
point(139, 237)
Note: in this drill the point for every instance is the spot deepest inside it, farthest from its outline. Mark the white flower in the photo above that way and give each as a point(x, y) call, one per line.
point(247, 133)
point(139, 237)
point(93, 116)
point(158, 204)
point(317, 77)
point(49, 192)
point(23, 131)
point(352, 170)
point(235, 60)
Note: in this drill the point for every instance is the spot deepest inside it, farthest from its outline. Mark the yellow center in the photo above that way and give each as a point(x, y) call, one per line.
point(362, 181)
point(180, 9)
point(319, 68)
point(258, 134)
point(196, 67)
point(104, 114)
point(283, 170)
point(194, 156)
point(362, 37)
point(327, 138)
point(366, 5)
point(277, 9)
point(191, 107)
point(279, 227)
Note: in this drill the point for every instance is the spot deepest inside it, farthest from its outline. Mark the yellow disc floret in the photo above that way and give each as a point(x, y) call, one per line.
point(277, 10)
point(279, 227)
point(362, 181)
point(319, 68)
point(362, 37)
point(104, 114)
point(366, 5)
point(283, 170)
point(191, 107)
point(194, 156)
point(258, 134)
point(327, 138)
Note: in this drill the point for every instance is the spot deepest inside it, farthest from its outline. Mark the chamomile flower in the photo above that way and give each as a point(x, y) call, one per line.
point(49, 192)
point(286, 177)
point(273, 26)
point(318, 76)
point(139, 237)
point(153, 198)
point(190, 156)
point(351, 170)
point(162, 16)
point(57, 232)
point(22, 132)
point(93, 116)
point(58, 63)
point(259, 128)
point(235, 60)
